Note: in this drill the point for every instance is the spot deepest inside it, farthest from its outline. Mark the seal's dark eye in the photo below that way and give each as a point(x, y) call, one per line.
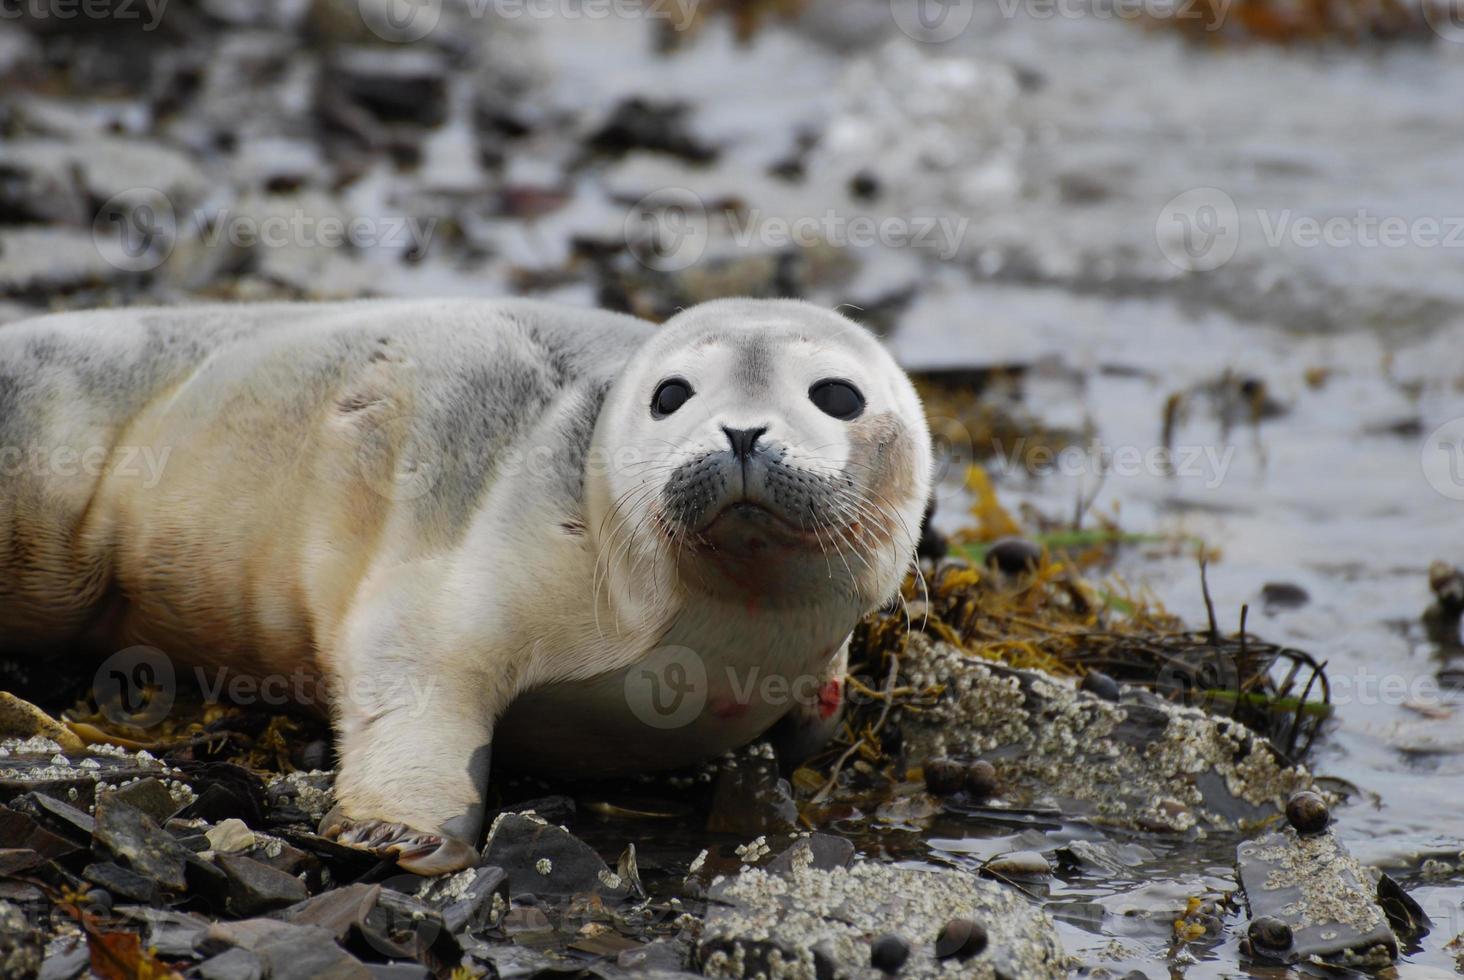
point(670, 395)
point(837, 398)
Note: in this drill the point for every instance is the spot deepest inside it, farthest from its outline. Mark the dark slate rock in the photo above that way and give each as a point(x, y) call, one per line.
point(750, 799)
point(17, 860)
point(467, 906)
point(1312, 886)
point(173, 934)
point(150, 796)
point(18, 830)
point(399, 926)
point(57, 816)
point(121, 882)
point(256, 888)
point(289, 952)
point(134, 839)
point(517, 843)
point(375, 921)
point(232, 964)
point(335, 911)
point(206, 881)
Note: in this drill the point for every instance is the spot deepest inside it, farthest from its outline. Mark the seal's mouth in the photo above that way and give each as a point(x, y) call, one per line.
point(748, 526)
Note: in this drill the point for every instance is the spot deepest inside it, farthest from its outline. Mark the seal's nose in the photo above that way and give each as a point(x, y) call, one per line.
point(744, 441)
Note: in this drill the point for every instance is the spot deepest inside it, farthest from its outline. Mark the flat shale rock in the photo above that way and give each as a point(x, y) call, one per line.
point(1310, 899)
point(255, 888)
point(469, 900)
point(541, 859)
point(289, 952)
point(136, 842)
point(1140, 763)
point(811, 922)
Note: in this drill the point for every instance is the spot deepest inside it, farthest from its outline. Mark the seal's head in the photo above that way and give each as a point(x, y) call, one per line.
point(762, 451)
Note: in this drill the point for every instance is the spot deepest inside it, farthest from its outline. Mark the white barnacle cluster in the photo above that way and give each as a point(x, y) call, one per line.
point(754, 850)
point(838, 909)
point(1334, 886)
point(1134, 769)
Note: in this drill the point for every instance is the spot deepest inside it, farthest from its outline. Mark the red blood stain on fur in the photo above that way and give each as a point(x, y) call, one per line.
point(829, 697)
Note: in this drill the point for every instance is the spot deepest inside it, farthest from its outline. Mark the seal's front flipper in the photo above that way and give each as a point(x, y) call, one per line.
point(415, 851)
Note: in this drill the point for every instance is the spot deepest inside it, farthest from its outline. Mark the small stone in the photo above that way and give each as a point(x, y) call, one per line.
point(961, 939)
point(1283, 595)
point(98, 901)
point(315, 755)
point(981, 779)
point(944, 777)
point(1019, 864)
point(256, 888)
point(1014, 556)
point(1307, 812)
point(230, 835)
point(1269, 932)
point(1100, 685)
point(864, 186)
point(888, 953)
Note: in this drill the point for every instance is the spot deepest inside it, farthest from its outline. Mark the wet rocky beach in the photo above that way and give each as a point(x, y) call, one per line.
point(1175, 689)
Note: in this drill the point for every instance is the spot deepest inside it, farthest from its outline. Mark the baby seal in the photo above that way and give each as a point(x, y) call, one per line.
point(596, 544)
